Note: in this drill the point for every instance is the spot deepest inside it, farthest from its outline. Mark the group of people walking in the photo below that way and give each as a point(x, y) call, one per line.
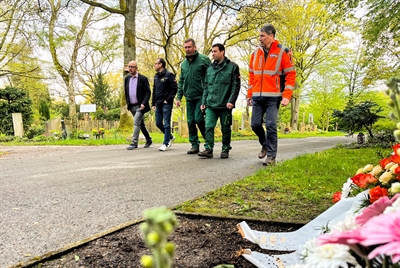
point(211, 90)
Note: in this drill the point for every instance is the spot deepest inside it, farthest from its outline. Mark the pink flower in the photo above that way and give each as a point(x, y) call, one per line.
point(375, 209)
point(382, 230)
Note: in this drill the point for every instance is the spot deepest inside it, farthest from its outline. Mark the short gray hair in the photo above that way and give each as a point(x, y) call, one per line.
point(268, 29)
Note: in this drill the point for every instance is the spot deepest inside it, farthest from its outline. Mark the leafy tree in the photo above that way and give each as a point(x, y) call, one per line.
point(14, 40)
point(14, 100)
point(358, 117)
point(101, 92)
point(381, 32)
point(64, 39)
point(44, 110)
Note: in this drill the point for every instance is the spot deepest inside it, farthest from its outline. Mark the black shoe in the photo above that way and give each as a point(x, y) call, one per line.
point(193, 151)
point(269, 161)
point(206, 153)
point(148, 144)
point(224, 154)
point(132, 146)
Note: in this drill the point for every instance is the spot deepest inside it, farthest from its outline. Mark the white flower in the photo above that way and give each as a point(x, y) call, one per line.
point(349, 223)
point(330, 256)
point(395, 188)
point(327, 256)
point(346, 188)
point(393, 208)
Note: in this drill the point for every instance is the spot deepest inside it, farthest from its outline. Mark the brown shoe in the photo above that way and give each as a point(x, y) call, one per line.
point(224, 154)
point(263, 153)
point(206, 153)
point(269, 161)
point(193, 151)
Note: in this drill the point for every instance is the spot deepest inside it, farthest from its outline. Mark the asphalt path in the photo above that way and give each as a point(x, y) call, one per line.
point(51, 196)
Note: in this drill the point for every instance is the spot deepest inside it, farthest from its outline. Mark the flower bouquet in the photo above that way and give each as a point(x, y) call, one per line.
point(371, 236)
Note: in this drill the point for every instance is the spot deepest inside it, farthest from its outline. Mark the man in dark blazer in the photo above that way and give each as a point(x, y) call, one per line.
point(137, 93)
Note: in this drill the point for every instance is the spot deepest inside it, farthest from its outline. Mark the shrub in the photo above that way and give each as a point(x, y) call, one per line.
point(6, 138)
point(39, 138)
point(34, 130)
point(384, 139)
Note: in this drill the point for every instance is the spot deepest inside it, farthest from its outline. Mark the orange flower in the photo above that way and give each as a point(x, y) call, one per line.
point(385, 161)
point(362, 180)
point(397, 171)
point(370, 178)
point(395, 159)
point(336, 197)
point(396, 148)
point(376, 193)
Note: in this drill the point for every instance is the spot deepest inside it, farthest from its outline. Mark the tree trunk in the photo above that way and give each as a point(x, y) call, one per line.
point(295, 112)
point(130, 32)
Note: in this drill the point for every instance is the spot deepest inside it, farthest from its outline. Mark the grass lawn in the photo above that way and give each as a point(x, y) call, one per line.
point(296, 190)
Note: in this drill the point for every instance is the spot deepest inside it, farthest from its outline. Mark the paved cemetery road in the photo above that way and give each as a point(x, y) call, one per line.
point(51, 196)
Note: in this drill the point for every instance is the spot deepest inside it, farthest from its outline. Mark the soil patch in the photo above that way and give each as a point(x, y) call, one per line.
point(201, 242)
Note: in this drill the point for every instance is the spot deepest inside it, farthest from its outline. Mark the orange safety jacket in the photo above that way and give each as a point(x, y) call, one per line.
point(265, 74)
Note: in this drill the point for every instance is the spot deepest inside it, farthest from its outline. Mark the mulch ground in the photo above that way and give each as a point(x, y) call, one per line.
point(201, 242)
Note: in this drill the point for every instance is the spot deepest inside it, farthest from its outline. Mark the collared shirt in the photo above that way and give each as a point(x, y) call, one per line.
point(133, 89)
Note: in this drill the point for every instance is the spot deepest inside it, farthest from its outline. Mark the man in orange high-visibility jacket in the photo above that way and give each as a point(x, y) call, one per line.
point(267, 65)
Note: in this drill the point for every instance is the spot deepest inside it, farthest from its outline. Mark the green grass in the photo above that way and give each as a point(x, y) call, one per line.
point(296, 190)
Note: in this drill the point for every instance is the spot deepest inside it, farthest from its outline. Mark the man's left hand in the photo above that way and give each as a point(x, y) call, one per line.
point(285, 101)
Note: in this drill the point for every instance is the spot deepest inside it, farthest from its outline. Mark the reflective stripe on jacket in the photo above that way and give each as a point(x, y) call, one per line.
point(264, 75)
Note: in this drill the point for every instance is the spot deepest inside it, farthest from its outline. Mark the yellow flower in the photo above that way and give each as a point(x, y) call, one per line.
point(368, 168)
point(389, 165)
point(386, 177)
point(392, 168)
point(359, 171)
point(376, 170)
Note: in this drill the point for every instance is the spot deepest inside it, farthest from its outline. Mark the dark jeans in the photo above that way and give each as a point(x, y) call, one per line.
point(225, 119)
point(195, 117)
point(163, 121)
point(268, 108)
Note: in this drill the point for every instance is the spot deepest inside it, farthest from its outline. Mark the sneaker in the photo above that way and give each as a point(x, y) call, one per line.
point(163, 148)
point(148, 144)
point(132, 146)
point(263, 153)
point(224, 154)
point(206, 153)
point(193, 151)
point(269, 161)
point(171, 141)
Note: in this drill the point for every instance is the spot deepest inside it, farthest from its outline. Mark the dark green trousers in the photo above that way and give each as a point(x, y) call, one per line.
point(195, 117)
point(225, 119)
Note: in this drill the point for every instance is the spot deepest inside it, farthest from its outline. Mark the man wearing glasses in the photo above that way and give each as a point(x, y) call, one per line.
point(164, 91)
point(137, 94)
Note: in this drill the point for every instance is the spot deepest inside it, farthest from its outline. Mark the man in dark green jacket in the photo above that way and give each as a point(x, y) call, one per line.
point(222, 86)
point(191, 85)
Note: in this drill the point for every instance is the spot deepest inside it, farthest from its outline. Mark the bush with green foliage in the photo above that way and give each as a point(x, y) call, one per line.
point(358, 117)
point(34, 130)
point(14, 100)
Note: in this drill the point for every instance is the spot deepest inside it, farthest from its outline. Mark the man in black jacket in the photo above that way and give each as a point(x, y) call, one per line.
point(164, 91)
point(137, 93)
